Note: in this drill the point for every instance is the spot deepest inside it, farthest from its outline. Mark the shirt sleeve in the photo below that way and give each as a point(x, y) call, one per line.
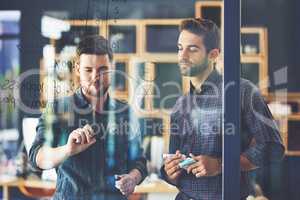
point(41, 138)
point(37, 143)
point(258, 121)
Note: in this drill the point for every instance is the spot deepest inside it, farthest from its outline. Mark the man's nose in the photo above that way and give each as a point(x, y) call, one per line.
point(95, 75)
point(184, 54)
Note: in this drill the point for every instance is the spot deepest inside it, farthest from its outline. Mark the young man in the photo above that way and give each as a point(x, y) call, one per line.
point(196, 121)
point(89, 141)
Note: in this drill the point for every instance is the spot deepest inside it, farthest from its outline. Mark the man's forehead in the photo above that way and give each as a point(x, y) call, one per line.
point(94, 58)
point(189, 38)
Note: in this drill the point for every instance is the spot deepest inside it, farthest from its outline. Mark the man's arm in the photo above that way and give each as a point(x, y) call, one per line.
point(257, 121)
point(137, 176)
point(48, 158)
point(246, 165)
point(137, 163)
point(170, 171)
point(266, 145)
point(44, 157)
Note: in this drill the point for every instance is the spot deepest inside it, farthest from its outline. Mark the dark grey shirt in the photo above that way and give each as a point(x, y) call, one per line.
point(196, 127)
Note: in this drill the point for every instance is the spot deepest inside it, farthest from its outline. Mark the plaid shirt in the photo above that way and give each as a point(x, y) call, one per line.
point(90, 174)
point(196, 127)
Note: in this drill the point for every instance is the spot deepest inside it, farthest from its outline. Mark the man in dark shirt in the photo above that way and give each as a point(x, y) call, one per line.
point(196, 121)
point(87, 136)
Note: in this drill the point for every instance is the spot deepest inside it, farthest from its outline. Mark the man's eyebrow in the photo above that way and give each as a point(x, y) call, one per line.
point(103, 66)
point(189, 46)
point(87, 67)
point(100, 67)
point(194, 45)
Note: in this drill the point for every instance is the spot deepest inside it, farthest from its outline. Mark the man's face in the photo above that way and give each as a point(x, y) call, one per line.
point(93, 72)
point(192, 56)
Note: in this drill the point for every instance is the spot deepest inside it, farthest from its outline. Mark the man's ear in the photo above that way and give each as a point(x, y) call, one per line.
point(213, 54)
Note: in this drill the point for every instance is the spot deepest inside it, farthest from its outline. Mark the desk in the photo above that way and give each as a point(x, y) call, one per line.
point(6, 182)
point(158, 186)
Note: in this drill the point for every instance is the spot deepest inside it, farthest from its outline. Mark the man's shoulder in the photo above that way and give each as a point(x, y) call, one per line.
point(249, 90)
point(246, 84)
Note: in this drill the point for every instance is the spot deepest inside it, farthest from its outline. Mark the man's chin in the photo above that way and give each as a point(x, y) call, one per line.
point(185, 70)
point(187, 73)
point(192, 71)
point(98, 92)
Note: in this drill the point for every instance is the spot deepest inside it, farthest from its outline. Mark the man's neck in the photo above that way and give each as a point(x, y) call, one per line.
point(199, 80)
point(97, 103)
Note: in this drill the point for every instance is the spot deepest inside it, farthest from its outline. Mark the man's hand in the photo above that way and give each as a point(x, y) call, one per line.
point(79, 140)
point(126, 184)
point(172, 168)
point(205, 166)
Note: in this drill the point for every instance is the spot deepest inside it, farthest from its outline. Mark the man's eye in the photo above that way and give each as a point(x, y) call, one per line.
point(88, 70)
point(179, 49)
point(193, 49)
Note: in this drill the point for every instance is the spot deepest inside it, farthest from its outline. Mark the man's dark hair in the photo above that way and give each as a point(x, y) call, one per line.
point(205, 28)
point(94, 44)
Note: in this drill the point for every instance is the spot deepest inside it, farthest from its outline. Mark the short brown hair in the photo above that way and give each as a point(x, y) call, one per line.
point(205, 28)
point(94, 44)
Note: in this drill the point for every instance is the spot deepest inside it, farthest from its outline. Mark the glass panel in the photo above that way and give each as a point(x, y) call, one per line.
point(74, 35)
point(265, 50)
point(120, 78)
point(250, 71)
point(168, 85)
point(9, 27)
point(9, 22)
point(9, 71)
point(294, 135)
point(166, 35)
point(138, 79)
point(153, 143)
point(122, 39)
point(9, 87)
point(152, 126)
point(294, 106)
point(250, 43)
point(213, 13)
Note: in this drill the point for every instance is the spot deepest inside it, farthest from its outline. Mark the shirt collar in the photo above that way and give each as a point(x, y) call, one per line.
point(84, 103)
point(213, 78)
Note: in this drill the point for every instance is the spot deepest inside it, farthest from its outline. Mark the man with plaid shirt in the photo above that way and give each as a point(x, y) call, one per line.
point(86, 137)
point(196, 121)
